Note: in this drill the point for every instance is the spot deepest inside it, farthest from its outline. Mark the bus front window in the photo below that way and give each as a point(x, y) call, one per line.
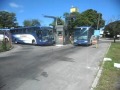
point(45, 35)
point(83, 34)
point(39, 34)
point(77, 34)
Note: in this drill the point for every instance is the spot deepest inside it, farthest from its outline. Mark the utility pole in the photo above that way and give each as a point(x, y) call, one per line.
point(98, 21)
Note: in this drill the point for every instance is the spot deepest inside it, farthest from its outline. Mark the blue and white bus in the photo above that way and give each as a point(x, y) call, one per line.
point(83, 35)
point(33, 35)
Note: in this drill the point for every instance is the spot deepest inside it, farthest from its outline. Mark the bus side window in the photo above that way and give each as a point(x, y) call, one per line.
point(13, 31)
point(1, 32)
point(29, 30)
point(39, 33)
point(19, 30)
point(26, 30)
point(32, 30)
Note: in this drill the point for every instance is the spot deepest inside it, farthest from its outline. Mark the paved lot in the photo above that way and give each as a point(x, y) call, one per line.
point(28, 67)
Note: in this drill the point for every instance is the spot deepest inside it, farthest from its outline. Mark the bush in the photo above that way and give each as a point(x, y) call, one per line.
point(4, 46)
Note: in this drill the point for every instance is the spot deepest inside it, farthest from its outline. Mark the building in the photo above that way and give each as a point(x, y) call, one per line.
point(74, 9)
point(102, 31)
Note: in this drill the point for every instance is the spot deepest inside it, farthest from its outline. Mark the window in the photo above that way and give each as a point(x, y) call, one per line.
point(59, 33)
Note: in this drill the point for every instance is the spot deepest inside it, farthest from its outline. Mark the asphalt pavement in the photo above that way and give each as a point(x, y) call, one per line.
point(68, 67)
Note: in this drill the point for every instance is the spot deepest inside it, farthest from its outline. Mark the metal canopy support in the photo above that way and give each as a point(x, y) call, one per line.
point(55, 18)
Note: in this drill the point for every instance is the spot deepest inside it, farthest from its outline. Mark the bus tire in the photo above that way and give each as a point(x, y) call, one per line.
point(15, 41)
point(33, 42)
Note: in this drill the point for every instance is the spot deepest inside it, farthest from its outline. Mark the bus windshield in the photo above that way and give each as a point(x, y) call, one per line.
point(47, 33)
point(80, 33)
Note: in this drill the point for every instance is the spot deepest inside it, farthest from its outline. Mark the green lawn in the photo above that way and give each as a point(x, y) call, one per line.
point(110, 78)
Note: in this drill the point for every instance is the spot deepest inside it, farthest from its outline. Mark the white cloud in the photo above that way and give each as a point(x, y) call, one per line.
point(17, 7)
point(14, 5)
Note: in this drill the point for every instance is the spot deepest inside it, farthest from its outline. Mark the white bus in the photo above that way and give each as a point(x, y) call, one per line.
point(33, 35)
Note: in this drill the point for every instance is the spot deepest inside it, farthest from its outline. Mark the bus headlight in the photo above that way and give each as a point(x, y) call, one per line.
point(45, 40)
point(75, 40)
point(85, 41)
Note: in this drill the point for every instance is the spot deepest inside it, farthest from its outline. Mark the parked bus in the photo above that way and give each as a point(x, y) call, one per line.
point(83, 35)
point(4, 34)
point(33, 35)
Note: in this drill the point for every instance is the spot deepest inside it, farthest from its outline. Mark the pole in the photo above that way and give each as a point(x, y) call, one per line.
point(55, 20)
point(98, 21)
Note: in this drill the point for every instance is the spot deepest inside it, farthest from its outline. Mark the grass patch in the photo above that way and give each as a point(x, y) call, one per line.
point(110, 77)
point(4, 46)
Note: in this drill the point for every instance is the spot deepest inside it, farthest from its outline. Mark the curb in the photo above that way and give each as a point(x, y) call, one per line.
point(95, 82)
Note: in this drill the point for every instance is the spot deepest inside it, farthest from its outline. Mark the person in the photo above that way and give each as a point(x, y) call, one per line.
point(95, 41)
point(71, 39)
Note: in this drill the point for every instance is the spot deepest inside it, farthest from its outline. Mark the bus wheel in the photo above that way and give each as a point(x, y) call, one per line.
point(15, 41)
point(33, 41)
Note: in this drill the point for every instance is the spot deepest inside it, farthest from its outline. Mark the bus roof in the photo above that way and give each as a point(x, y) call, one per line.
point(4, 29)
point(42, 27)
point(84, 27)
point(81, 27)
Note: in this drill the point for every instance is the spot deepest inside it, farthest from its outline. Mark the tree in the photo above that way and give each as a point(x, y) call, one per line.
point(70, 19)
point(59, 22)
point(113, 29)
point(33, 22)
point(90, 17)
point(7, 19)
point(27, 23)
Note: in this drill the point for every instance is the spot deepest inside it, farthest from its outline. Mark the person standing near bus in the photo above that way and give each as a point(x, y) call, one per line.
point(95, 41)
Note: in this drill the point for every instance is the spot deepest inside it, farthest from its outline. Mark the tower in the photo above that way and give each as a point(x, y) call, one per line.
point(73, 9)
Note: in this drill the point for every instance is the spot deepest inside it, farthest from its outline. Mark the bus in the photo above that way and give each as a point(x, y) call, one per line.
point(33, 35)
point(83, 35)
point(4, 34)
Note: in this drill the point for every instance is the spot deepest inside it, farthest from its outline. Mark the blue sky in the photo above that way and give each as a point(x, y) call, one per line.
point(35, 9)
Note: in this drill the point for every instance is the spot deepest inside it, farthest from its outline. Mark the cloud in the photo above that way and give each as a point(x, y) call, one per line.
point(14, 5)
point(17, 7)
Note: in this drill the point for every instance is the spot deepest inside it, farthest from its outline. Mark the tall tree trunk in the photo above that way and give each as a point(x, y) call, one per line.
point(114, 39)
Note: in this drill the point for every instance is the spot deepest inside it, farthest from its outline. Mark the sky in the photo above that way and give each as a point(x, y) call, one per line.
point(36, 9)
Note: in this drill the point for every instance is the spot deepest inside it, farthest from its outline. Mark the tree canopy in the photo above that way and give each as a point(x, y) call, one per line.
point(59, 22)
point(7, 19)
point(89, 17)
point(113, 28)
point(33, 22)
